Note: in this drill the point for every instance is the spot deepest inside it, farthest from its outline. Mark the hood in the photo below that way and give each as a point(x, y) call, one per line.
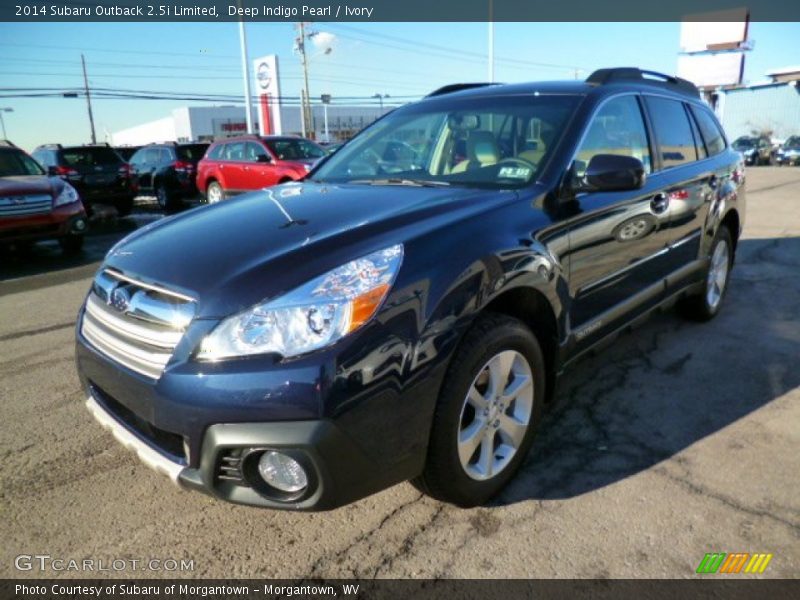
point(30, 185)
point(260, 245)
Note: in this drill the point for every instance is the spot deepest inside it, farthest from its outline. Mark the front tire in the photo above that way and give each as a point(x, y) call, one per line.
point(706, 305)
point(488, 410)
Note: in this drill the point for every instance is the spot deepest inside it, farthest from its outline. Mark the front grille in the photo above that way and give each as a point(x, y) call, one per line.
point(24, 205)
point(135, 324)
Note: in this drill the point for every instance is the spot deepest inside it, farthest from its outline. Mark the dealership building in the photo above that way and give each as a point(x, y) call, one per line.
point(771, 107)
point(207, 123)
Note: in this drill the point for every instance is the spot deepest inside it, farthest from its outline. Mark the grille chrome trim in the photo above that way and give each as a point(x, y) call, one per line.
point(30, 205)
point(152, 458)
point(134, 324)
point(149, 286)
point(146, 335)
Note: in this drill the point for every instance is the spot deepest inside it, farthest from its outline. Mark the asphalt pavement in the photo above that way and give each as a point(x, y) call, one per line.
point(678, 440)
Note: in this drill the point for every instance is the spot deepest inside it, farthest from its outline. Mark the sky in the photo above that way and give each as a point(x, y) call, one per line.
point(404, 60)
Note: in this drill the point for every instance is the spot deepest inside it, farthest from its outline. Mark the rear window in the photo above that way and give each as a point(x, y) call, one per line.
point(294, 149)
point(712, 134)
point(90, 157)
point(14, 163)
point(792, 142)
point(192, 152)
point(673, 132)
point(216, 152)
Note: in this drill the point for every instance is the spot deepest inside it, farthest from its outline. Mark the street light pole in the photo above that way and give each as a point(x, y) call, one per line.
point(248, 104)
point(380, 98)
point(491, 42)
point(2, 122)
point(301, 48)
point(88, 99)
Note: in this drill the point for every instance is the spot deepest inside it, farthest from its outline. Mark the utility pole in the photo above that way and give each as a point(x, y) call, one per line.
point(248, 101)
point(88, 99)
point(301, 48)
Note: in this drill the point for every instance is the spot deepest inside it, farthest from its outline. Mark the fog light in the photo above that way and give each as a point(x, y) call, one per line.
point(282, 472)
point(80, 225)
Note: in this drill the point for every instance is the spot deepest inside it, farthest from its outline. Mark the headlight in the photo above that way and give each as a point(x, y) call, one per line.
point(313, 316)
point(68, 195)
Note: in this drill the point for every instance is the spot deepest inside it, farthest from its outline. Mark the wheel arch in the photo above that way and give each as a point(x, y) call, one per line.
point(732, 221)
point(532, 307)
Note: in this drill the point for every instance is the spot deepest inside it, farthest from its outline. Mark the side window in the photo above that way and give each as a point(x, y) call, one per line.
point(41, 156)
point(216, 152)
point(254, 151)
point(151, 157)
point(166, 156)
point(617, 128)
point(673, 132)
point(234, 151)
point(699, 146)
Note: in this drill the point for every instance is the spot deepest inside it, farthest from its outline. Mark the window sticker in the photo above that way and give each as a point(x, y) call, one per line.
point(514, 173)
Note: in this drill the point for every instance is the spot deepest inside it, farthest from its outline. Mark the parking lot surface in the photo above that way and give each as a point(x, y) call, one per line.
point(680, 439)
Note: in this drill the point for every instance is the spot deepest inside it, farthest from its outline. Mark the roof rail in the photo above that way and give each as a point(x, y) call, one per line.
point(57, 146)
point(604, 76)
point(8, 144)
point(456, 87)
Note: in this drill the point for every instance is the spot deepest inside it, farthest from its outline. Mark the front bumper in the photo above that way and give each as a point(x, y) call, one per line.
point(58, 223)
point(337, 470)
point(353, 436)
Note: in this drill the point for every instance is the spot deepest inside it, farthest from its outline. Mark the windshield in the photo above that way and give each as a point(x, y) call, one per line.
point(14, 163)
point(291, 149)
point(491, 141)
point(743, 143)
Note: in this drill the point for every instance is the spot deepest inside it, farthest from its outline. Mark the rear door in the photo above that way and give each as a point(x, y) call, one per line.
point(687, 177)
point(617, 239)
point(233, 163)
point(142, 165)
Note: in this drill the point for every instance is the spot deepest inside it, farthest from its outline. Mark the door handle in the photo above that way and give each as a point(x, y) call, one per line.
point(659, 203)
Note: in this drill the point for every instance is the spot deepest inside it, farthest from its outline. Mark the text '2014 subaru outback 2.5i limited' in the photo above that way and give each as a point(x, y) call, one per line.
point(403, 312)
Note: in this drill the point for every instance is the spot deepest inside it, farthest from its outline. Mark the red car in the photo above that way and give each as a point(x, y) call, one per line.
point(34, 206)
point(249, 163)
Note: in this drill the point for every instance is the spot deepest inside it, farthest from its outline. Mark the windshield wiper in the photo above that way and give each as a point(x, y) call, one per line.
point(401, 181)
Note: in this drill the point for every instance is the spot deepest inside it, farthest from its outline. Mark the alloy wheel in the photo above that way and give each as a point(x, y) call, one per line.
point(717, 277)
point(496, 415)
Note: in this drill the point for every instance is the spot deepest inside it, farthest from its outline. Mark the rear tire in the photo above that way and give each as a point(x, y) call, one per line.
point(488, 410)
point(166, 200)
point(705, 305)
point(71, 244)
point(215, 193)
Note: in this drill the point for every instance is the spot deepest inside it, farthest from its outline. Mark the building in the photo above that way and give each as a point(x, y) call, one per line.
point(770, 108)
point(206, 123)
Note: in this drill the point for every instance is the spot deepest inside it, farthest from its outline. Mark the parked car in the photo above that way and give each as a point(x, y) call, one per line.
point(249, 163)
point(789, 152)
point(36, 207)
point(126, 152)
point(97, 172)
point(315, 342)
point(167, 171)
point(756, 151)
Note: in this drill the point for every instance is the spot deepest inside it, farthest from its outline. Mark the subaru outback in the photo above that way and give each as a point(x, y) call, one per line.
point(404, 311)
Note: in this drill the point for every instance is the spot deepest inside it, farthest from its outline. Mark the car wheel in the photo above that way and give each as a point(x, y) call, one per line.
point(71, 244)
point(124, 206)
point(164, 197)
point(215, 193)
point(705, 305)
point(488, 410)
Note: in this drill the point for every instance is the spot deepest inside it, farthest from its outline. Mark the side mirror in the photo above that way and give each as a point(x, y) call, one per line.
point(613, 172)
point(263, 158)
point(52, 171)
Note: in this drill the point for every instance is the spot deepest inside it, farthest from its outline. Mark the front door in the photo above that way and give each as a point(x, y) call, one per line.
point(617, 239)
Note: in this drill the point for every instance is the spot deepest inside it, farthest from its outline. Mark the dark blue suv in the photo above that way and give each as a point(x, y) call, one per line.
point(404, 311)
